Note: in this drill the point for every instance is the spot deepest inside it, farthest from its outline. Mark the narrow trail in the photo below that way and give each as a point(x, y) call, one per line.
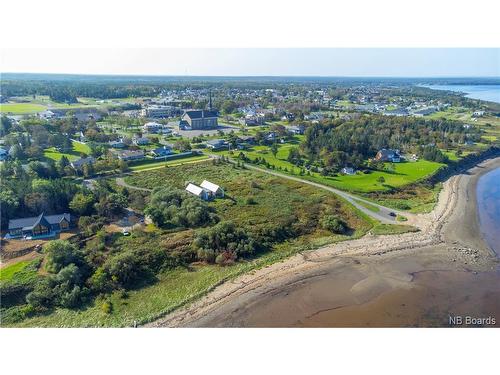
point(121, 182)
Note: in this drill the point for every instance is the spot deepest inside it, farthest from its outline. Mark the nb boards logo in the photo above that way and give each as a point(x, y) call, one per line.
point(472, 321)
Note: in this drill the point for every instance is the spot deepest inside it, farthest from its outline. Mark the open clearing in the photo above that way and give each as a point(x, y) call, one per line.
point(74, 154)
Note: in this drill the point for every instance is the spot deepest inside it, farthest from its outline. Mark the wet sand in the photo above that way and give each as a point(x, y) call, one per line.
point(410, 280)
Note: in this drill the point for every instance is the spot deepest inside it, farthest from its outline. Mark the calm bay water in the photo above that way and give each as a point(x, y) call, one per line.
point(488, 200)
point(489, 93)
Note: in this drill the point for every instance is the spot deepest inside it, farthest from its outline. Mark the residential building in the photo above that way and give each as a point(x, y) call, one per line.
point(200, 119)
point(47, 114)
point(152, 127)
point(216, 144)
point(117, 144)
point(348, 170)
point(252, 120)
point(298, 130)
point(140, 141)
point(388, 155)
point(214, 190)
point(161, 152)
point(79, 163)
point(39, 226)
point(130, 155)
point(197, 191)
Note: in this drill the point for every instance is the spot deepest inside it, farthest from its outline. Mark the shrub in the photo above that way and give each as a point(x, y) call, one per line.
point(107, 307)
point(175, 208)
point(223, 237)
point(250, 201)
point(60, 254)
point(333, 224)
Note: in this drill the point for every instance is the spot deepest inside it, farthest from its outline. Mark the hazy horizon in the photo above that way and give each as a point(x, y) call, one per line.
point(258, 62)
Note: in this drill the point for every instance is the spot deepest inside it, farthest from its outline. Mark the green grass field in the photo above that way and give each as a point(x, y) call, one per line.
point(159, 164)
point(8, 272)
point(74, 154)
point(403, 174)
point(20, 272)
point(21, 108)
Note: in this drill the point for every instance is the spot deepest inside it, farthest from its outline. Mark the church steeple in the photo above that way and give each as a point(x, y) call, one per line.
point(210, 100)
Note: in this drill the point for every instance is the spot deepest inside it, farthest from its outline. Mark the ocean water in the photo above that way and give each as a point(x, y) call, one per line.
point(489, 93)
point(488, 201)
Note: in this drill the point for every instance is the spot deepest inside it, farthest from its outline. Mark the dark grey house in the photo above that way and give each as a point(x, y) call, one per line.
point(39, 226)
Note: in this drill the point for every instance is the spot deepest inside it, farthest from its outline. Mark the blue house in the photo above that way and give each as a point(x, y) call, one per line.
point(40, 226)
point(161, 152)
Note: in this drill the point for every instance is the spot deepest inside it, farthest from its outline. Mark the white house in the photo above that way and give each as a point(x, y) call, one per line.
point(348, 170)
point(152, 127)
point(213, 189)
point(198, 191)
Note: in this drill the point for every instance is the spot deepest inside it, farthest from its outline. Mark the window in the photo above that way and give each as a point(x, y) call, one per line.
point(40, 229)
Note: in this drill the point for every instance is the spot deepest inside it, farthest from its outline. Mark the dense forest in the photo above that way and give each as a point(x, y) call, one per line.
point(338, 143)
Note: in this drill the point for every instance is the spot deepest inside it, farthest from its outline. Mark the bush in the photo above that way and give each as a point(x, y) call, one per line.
point(175, 208)
point(250, 201)
point(224, 237)
point(63, 289)
point(333, 224)
point(60, 254)
point(107, 307)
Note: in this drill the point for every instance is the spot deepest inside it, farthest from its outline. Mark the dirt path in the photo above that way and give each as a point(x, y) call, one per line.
point(121, 182)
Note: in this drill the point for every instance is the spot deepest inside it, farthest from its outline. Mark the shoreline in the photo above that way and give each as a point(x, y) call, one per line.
point(450, 232)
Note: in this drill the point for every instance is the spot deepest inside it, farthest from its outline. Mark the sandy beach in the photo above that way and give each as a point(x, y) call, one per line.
point(412, 279)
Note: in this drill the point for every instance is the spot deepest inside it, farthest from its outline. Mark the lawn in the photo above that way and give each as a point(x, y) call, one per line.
point(159, 164)
point(382, 229)
point(403, 173)
point(74, 154)
point(21, 108)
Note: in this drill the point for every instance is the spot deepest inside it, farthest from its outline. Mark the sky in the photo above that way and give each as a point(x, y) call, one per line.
point(351, 62)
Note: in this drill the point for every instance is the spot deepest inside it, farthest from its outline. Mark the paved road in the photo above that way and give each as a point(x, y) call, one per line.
point(383, 215)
